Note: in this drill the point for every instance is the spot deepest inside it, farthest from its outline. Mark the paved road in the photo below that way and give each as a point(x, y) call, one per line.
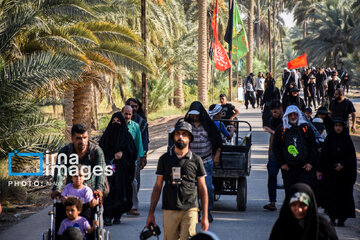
point(253, 224)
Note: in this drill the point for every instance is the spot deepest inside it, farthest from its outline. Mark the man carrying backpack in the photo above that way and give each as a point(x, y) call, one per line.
point(294, 147)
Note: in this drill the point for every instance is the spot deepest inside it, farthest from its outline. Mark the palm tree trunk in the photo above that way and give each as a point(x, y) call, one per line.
point(172, 95)
point(83, 96)
point(68, 106)
point(250, 55)
point(202, 53)
point(304, 29)
point(258, 27)
point(121, 86)
point(94, 110)
point(179, 98)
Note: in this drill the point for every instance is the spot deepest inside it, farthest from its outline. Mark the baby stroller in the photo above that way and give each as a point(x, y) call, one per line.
point(58, 214)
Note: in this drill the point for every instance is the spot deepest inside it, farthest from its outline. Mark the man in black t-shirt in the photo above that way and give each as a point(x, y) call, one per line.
point(272, 166)
point(229, 111)
point(332, 85)
point(304, 83)
point(183, 173)
point(341, 107)
point(320, 86)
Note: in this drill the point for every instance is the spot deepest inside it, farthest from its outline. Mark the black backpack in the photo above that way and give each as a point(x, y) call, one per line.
point(296, 148)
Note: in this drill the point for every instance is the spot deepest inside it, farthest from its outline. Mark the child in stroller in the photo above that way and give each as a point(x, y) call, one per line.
point(89, 209)
point(73, 208)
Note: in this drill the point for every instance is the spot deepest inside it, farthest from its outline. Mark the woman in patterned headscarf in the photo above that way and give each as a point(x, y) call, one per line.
point(299, 219)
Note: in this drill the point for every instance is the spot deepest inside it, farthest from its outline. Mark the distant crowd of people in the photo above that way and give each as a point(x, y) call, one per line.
point(315, 155)
point(315, 151)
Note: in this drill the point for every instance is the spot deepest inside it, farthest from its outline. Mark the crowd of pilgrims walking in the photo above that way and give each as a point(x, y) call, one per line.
point(309, 143)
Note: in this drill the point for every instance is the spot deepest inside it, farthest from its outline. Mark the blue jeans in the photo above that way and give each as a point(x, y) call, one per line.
point(208, 179)
point(273, 170)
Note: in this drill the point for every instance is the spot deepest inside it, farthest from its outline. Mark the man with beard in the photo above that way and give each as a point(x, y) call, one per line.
point(341, 108)
point(294, 99)
point(295, 149)
point(89, 154)
point(134, 130)
point(184, 175)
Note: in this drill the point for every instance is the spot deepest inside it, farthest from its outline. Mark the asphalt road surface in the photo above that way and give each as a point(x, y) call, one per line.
point(253, 224)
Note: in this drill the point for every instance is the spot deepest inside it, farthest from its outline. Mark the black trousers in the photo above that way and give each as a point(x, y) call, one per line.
point(259, 95)
point(311, 99)
point(298, 175)
point(249, 96)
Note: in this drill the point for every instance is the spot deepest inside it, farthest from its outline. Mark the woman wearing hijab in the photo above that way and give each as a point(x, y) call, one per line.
point(120, 151)
point(299, 219)
point(337, 169)
point(293, 77)
point(271, 93)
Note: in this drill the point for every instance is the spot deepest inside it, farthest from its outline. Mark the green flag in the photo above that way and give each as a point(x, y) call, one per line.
point(239, 43)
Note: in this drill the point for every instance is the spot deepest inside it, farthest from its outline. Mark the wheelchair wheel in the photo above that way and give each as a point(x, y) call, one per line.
point(47, 235)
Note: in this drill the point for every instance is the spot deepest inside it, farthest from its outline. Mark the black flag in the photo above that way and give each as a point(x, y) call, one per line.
point(229, 29)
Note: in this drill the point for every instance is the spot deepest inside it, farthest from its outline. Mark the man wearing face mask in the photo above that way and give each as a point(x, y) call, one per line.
point(295, 149)
point(183, 173)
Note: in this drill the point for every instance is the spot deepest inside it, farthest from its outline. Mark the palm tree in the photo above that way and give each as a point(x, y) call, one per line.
point(22, 125)
point(330, 34)
point(303, 10)
point(202, 53)
point(25, 78)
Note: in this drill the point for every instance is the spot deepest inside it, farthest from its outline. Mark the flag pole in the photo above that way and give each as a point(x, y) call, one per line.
point(230, 58)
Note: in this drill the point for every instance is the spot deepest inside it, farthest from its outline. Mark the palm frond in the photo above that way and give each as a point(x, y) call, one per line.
point(29, 133)
point(107, 31)
point(56, 43)
point(125, 55)
point(35, 70)
point(76, 9)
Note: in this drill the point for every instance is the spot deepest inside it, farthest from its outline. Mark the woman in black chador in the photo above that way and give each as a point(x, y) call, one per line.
point(299, 219)
point(337, 168)
point(271, 93)
point(120, 151)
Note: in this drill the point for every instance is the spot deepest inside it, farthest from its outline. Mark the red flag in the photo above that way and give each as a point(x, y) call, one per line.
point(214, 21)
point(298, 62)
point(221, 58)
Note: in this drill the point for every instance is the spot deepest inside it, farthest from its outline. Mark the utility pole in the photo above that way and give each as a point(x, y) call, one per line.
point(143, 75)
point(269, 27)
point(274, 39)
point(230, 58)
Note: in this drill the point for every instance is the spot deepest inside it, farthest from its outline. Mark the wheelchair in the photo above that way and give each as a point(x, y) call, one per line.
point(57, 214)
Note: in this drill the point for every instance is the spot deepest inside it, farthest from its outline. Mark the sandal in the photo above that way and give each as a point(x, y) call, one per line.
point(270, 207)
